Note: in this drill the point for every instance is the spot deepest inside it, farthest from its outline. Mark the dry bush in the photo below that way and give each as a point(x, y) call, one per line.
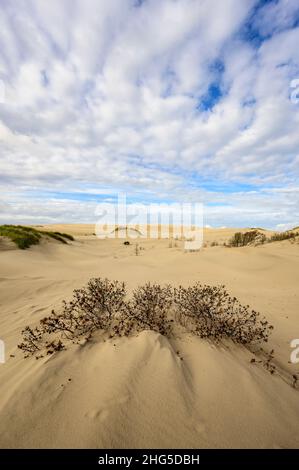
point(254, 237)
point(148, 309)
point(31, 340)
point(247, 238)
point(280, 236)
point(205, 310)
point(91, 308)
point(210, 312)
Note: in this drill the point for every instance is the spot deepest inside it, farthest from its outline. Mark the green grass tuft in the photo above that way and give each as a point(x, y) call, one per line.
point(65, 235)
point(24, 237)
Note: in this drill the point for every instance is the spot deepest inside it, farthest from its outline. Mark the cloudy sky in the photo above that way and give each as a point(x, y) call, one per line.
point(164, 100)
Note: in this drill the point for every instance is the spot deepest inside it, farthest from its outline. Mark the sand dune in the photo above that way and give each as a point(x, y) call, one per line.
point(140, 392)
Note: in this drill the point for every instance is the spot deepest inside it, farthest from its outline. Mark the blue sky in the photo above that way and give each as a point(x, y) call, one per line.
point(164, 100)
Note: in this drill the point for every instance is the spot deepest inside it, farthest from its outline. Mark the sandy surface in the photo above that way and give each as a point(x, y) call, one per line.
point(137, 392)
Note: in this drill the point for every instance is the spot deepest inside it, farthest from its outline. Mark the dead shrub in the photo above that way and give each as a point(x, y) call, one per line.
point(148, 309)
point(31, 340)
point(210, 312)
point(91, 308)
point(204, 310)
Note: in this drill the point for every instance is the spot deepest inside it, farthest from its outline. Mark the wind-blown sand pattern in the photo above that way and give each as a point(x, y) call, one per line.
point(148, 391)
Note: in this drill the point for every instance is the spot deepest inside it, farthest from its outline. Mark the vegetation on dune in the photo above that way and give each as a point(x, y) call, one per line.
point(210, 312)
point(64, 235)
point(205, 311)
point(24, 237)
point(283, 236)
point(148, 308)
point(247, 238)
point(254, 237)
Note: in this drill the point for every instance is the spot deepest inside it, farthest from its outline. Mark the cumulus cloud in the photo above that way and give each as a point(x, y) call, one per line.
point(166, 100)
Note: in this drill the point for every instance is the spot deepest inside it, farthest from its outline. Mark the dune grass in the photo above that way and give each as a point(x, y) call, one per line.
point(279, 236)
point(258, 238)
point(247, 238)
point(24, 237)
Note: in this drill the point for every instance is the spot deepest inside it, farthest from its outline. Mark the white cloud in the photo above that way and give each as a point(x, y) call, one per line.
point(277, 16)
point(105, 94)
